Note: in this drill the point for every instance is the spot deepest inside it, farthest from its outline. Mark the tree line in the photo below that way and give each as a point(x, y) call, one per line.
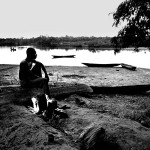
point(136, 32)
point(59, 42)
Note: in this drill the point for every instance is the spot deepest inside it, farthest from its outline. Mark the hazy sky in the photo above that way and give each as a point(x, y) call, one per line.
point(32, 18)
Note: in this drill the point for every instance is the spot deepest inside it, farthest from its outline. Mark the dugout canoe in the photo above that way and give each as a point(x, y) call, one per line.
point(65, 89)
point(63, 56)
point(128, 89)
point(56, 90)
point(101, 65)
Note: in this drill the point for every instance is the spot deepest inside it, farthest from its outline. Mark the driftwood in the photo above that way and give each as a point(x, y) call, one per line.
point(130, 67)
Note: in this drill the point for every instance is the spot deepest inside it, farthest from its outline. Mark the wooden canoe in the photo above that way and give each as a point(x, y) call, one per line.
point(66, 89)
point(128, 89)
point(100, 65)
point(56, 90)
point(126, 66)
point(63, 56)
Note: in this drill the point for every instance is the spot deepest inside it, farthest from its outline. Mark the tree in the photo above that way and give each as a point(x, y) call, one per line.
point(136, 15)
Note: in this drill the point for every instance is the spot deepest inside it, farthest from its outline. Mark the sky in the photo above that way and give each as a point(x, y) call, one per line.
point(33, 18)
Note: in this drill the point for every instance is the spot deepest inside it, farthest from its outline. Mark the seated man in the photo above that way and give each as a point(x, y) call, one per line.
point(30, 73)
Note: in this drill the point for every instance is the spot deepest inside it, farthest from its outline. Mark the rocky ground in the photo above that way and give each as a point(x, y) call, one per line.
point(125, 117)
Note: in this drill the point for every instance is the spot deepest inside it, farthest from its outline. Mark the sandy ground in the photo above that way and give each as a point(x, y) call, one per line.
point(86, 75)
point(124, 117)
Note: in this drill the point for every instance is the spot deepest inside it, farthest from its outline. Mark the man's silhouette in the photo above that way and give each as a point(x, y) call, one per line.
point(30, 73)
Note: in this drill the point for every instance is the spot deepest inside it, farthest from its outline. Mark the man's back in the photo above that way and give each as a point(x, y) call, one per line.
point(24, 72)
point(30, 70)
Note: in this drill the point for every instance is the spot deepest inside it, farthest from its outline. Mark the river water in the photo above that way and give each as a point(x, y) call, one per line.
point(128, 56)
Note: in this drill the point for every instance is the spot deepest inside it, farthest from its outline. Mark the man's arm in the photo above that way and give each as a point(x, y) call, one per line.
point(45, 72)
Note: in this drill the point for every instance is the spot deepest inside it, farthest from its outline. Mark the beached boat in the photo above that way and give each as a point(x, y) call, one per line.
point(59, 89)
point(100, 65)
point(63, 56)
point(130, 67)
point(128, 89)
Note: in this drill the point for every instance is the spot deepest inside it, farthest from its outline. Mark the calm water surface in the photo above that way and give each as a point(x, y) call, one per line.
point(139, 59)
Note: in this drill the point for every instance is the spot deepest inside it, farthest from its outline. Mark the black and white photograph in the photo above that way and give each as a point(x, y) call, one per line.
point(75, 74)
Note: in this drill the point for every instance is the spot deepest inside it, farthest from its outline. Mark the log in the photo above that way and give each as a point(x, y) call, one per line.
point(130, 67)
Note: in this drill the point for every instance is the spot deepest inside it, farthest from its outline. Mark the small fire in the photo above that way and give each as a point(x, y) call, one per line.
point(35, 105)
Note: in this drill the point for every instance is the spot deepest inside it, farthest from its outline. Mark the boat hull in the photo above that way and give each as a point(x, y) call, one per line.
point(65, 56)
point(100, 65)
point(129, 89)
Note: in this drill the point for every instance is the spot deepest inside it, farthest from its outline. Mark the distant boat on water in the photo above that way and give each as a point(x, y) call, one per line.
point(63, 56)
point(12, 49)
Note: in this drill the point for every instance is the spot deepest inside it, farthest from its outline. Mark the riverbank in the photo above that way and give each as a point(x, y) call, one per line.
point(125, 117)
point(115, 76)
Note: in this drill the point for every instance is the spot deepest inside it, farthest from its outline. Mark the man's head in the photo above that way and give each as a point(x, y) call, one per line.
point(31, 53)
